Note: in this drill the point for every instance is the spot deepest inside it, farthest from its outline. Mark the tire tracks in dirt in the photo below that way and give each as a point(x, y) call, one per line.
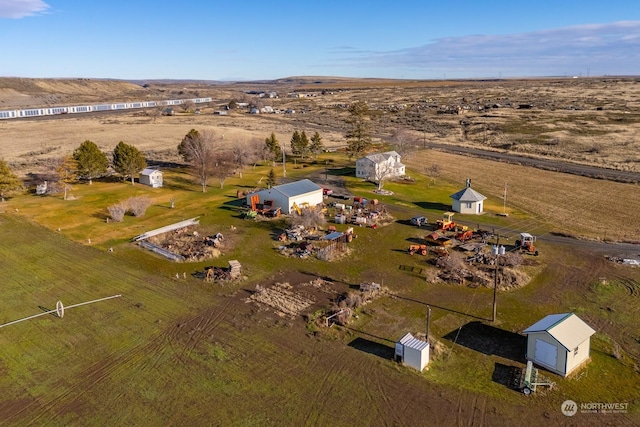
point(148, 356)
point(477, 406)
point(326, 386)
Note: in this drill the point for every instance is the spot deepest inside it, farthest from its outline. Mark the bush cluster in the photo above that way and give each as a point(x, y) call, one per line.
point(137, 206)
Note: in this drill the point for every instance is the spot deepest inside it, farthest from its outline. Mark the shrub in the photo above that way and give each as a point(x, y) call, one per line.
point(138, 205)
point(117, 211)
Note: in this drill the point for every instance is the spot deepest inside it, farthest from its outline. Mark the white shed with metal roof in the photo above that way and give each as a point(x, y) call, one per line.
point(301, 193)
point(412, 352)
point(559, 343)
point(467, 200)
point(151, 177)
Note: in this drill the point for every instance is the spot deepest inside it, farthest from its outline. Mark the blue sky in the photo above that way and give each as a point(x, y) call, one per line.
point(247, 39)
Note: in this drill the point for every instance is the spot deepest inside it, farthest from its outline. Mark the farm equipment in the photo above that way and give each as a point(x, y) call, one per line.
point(419, 221)
point(440, 251)
point(529, 380)
point(525, 244)
point(447, 223)
point(463, 236)
point(418, 249)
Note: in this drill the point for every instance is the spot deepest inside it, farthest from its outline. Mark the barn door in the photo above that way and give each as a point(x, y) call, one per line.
point(546, 354)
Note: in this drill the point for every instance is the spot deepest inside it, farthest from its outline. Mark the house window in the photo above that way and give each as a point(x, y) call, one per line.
point(575, 352)
point(468, 205)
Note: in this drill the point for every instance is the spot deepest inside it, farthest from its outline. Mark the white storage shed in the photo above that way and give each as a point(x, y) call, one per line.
point(302, 193)
point(467, 201)
point(151, 177)
point(412, 352)
point(559, 343)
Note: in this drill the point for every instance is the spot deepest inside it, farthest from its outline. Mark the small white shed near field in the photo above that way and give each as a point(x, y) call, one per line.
point(559, 343)
point(467, 201)
point(302, 193)
point(151, 177)
point(412, 352)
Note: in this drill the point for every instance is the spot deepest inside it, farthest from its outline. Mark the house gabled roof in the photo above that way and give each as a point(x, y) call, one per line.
point(468, 195)
point(567, 328)
point(410, 341)
point(381, 157)
point(297, 188)
point(149, 171)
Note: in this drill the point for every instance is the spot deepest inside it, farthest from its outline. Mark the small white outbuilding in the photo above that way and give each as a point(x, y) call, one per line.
point(151, 177)
point(412, 352)
point(559, 343)
point(468, 201)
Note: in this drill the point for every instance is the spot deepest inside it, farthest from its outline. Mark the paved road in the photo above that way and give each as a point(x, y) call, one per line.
point(572, 168)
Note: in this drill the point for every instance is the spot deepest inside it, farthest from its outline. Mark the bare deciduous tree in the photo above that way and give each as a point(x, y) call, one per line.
point(382, 172)
point(199, 149)
point(155, 112)
point(67, 173)
point(404, 142)
point(309, 218)
point(433, 172)
point(242, 154)
point(187, 105)
point(224, 166)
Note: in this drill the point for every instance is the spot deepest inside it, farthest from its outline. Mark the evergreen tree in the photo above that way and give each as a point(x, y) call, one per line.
point(273, 147)
point(359, 135)
point(272, 180)
point(8, 180)
point(304, 144)
point(92, 163)
point(128, 160)
point(67, 173)
point(296, 142)
point(316, 145)
point(185, 147)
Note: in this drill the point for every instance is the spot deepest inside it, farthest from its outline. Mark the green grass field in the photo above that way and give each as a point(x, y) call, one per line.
point(185, 352)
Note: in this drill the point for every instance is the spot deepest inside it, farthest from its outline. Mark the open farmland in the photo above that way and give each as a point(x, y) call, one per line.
point(177, 350)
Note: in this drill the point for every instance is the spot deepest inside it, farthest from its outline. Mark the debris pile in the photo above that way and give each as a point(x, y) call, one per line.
point(189, 245)
point(282, 298)
point(220, 274)
point(347, 304)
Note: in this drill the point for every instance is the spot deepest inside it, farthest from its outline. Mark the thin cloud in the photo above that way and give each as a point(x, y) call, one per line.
point(612, 48)
point(15, 9)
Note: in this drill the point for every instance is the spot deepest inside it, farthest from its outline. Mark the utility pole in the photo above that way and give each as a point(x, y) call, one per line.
point(428, 322)
point(497, 251)
point(326, 170)
point(284, 167)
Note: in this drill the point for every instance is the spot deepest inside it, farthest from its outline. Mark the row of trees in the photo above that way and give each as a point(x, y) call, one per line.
point(88, 162)
point(300, 144)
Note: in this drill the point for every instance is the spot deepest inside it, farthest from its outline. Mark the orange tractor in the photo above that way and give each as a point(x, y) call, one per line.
point(525, 244)
point(418, 249)
point(447, 223)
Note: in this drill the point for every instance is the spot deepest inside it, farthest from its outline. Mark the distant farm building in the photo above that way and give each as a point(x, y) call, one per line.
point(467, 200)
point(299, 193)
point(559, 343)
point(151, 177)
point(380, 166)
point(412, 352)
